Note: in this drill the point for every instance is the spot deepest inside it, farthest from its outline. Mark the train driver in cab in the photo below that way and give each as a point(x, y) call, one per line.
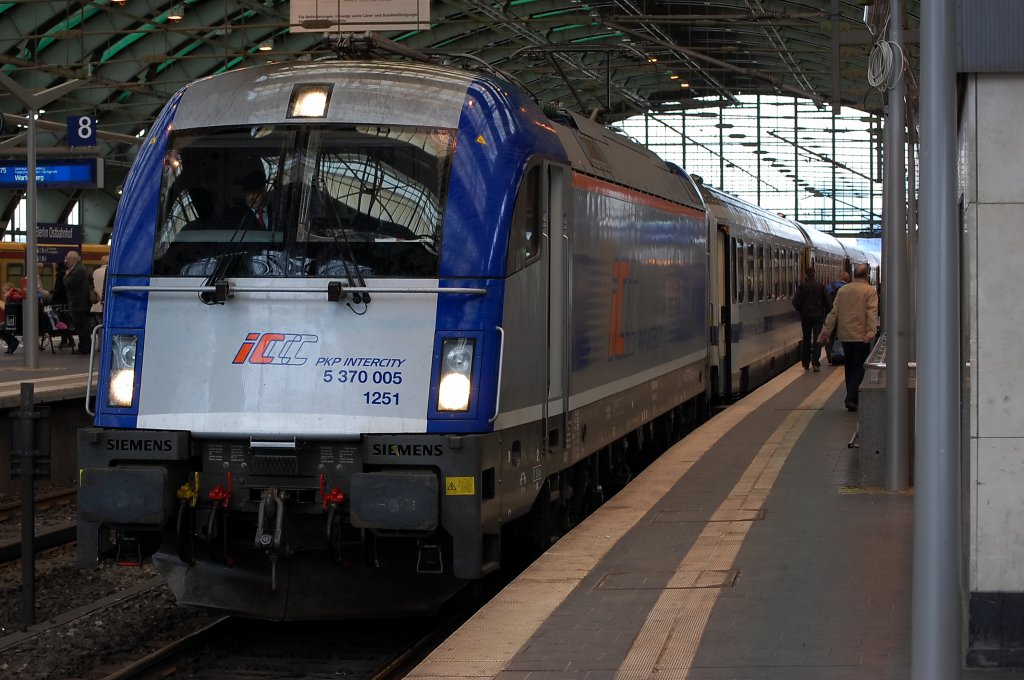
point(253, 210)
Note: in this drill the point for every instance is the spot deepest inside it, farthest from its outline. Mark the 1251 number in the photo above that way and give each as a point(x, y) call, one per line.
point(381, 398)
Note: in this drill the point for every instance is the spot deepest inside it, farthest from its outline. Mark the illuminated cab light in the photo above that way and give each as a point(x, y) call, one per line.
point(310, 101)
point(456, 384)
point(121, 380)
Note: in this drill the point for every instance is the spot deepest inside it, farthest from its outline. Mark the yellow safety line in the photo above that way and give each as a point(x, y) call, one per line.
point(485, 645)
point(669, 639)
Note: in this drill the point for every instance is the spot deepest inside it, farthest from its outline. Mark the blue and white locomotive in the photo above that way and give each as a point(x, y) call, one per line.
point(368, 321)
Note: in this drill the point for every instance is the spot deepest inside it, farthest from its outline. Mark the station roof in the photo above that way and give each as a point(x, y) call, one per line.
point(610, 59)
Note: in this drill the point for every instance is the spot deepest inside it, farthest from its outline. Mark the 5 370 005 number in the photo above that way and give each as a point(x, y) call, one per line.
point(361, 377)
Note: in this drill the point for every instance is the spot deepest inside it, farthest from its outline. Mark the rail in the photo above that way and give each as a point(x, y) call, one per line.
point(42, 501)
point(44, 540)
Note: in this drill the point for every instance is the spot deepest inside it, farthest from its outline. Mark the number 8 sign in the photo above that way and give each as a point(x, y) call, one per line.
point(81, 131)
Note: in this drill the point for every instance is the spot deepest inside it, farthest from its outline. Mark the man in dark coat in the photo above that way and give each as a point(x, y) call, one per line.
point(76, 281)
point(812, 301)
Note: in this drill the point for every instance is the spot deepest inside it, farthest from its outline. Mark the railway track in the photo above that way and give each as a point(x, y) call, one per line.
point(42, 502)
point(143, 589)
point(45, 539)
point(358, 650)
point(231, 647)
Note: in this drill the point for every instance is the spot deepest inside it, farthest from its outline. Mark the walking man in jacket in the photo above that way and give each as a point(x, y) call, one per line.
point(811, 300)
point(76, 281)
point(854, 315)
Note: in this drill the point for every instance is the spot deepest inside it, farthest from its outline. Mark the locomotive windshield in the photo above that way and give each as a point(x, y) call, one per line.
point(295, 201)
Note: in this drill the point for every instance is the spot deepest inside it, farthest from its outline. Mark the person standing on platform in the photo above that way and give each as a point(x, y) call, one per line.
point(811, 300)
point(59, 294)
point(76, 282)
point(854, 315)
point(6, 335)
point(833, 288)
point(44, 295)
point(99, 275)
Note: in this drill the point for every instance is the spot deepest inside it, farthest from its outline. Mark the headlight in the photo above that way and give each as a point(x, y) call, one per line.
point(121, 381)
point(456, 384)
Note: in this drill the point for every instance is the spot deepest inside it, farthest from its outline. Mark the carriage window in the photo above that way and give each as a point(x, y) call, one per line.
point(737, 270)
point(303, 200)
point(750, 272)
point(787, 264)
point(794, 268)
point(776, 273)
point(760, 272)
point(524, 232)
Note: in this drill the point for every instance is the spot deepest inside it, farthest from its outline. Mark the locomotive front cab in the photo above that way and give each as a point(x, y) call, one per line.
point(304, 323)
point(309, 309)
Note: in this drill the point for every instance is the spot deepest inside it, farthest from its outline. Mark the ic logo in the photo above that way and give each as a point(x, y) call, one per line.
point(279, 349)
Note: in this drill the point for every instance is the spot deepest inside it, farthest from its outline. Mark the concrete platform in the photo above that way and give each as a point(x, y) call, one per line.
point(746, 551)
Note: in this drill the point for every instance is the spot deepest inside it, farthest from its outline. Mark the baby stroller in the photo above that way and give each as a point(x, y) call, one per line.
point(55, 322)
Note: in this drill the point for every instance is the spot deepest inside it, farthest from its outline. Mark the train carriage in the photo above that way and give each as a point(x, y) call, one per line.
point(755, 270)
point(826, 254)
point(856, 255)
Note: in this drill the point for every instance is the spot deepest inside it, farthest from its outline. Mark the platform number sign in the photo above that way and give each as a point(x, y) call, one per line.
point(81, 131)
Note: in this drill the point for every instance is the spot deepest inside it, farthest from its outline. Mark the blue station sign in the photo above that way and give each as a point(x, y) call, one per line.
point(71, 173)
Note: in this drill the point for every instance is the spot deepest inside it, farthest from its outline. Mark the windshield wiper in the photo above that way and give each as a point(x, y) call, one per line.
point(348, 259)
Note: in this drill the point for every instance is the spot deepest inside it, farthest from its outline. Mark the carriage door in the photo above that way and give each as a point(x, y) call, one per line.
point(726, 285)
point(556, 254)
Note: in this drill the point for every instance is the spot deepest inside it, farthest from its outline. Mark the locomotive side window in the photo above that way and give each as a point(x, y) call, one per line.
point(524, 231)
point(303, 200)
